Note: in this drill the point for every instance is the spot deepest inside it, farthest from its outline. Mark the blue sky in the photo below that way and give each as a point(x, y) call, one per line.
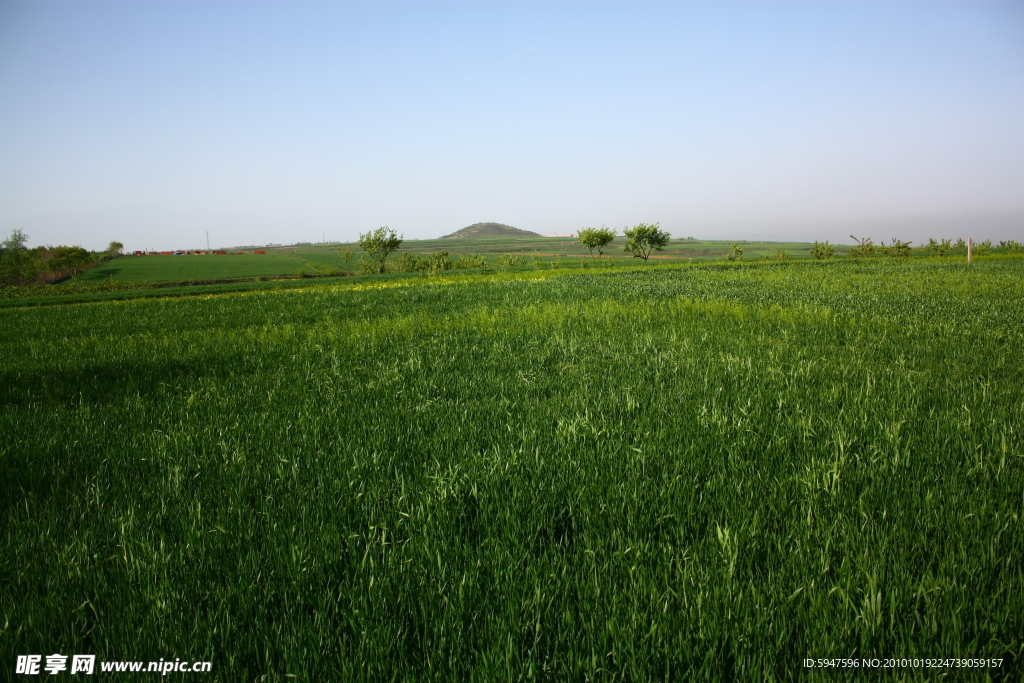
point(154, 122)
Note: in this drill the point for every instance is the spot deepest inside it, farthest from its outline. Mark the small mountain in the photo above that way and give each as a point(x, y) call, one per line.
point(492, 230)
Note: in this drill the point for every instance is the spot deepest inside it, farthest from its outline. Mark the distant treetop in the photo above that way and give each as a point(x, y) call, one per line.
point(492, 230)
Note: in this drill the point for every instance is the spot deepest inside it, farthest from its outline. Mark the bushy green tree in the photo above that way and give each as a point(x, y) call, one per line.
point(596, 238)
point(822, 250)
point(17, 263)
point(65, 258)
point(735, 252)
point(645, 238)
point(114, 249)
point(378, 245)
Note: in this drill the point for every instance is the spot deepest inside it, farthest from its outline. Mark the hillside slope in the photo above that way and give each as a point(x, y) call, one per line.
point(491, 230)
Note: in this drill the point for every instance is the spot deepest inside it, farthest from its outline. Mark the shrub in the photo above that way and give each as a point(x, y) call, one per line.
point(822, 250)
point(735, 252)
point(365, 267)
point(938, 248)
point(471, 261)
point(511, 260)
point(437, 262)
point(405, 263)
point(897, 249)
point(864, 248)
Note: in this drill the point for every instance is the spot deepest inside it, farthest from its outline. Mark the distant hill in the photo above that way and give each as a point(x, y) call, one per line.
point(492, 230)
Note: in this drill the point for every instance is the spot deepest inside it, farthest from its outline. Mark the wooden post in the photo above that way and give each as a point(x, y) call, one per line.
point(970, 250)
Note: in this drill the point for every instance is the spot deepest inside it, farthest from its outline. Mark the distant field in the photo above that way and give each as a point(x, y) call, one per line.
point(187, 267)
point(567, 247)
point(324, 259)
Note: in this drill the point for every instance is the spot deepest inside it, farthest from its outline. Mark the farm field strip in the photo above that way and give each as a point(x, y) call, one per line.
point(567, 247)
point(193, 267)
point(680, 472)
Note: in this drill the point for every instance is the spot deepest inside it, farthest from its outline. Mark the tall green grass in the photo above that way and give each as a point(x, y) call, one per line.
point(691, 473)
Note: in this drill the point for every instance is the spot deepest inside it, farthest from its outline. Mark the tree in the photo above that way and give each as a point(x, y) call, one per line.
point(823, 250)
point(17, 263)
point(937, 248)
point(114, 249)
point(378, 245)
point(67, 258)
point(898, 249)
point(596, 238)
point(346, 255)
point(17, 241)
point(645, 238)
point(735, 252)
point(865, 247)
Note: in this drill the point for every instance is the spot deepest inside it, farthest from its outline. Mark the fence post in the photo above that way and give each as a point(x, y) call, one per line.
point(970, 250)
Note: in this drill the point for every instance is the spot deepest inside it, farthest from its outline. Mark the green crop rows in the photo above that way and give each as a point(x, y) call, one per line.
point(193, 267)
point(672, 473)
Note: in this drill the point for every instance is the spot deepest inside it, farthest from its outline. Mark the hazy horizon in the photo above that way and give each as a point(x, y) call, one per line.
point(152, 123)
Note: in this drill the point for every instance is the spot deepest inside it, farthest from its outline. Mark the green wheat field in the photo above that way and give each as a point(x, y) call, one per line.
point(193, 267)
point(323, 259)
point(666, 472)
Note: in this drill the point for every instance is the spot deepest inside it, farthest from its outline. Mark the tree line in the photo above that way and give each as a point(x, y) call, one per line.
point(20, 265)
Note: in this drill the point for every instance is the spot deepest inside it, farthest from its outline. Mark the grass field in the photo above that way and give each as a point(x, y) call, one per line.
point(323, 259)
point(672, 473)
point(193, 267)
